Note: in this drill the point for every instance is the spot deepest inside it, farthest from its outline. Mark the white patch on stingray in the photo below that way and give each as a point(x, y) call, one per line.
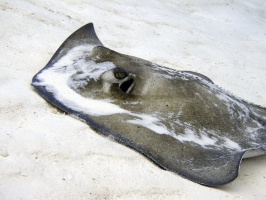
point(132, 102)
point(151, 123)
point(202, 139)
point(73, 55)
point(168, 73)
point(231, 144)
point(55, 80)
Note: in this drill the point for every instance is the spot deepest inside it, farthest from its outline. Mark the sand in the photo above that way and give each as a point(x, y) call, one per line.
point(46, 154)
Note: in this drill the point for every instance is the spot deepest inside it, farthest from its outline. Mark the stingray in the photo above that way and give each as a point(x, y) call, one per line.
point(180, 120)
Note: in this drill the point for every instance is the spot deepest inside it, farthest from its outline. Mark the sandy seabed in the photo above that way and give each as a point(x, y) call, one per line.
point(46, 154)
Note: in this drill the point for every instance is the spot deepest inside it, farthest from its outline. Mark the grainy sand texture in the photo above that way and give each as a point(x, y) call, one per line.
point(46, 154)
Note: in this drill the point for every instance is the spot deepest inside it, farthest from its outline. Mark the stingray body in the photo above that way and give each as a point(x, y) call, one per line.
point(180, 120)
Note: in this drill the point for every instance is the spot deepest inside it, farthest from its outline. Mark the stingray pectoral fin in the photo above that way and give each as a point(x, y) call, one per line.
point(83, 36)
point(213, 170)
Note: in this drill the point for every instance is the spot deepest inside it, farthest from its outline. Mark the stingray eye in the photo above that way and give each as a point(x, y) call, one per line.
point(120, 73)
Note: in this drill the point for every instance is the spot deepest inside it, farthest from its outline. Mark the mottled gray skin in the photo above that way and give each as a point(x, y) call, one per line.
point(182, 101)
